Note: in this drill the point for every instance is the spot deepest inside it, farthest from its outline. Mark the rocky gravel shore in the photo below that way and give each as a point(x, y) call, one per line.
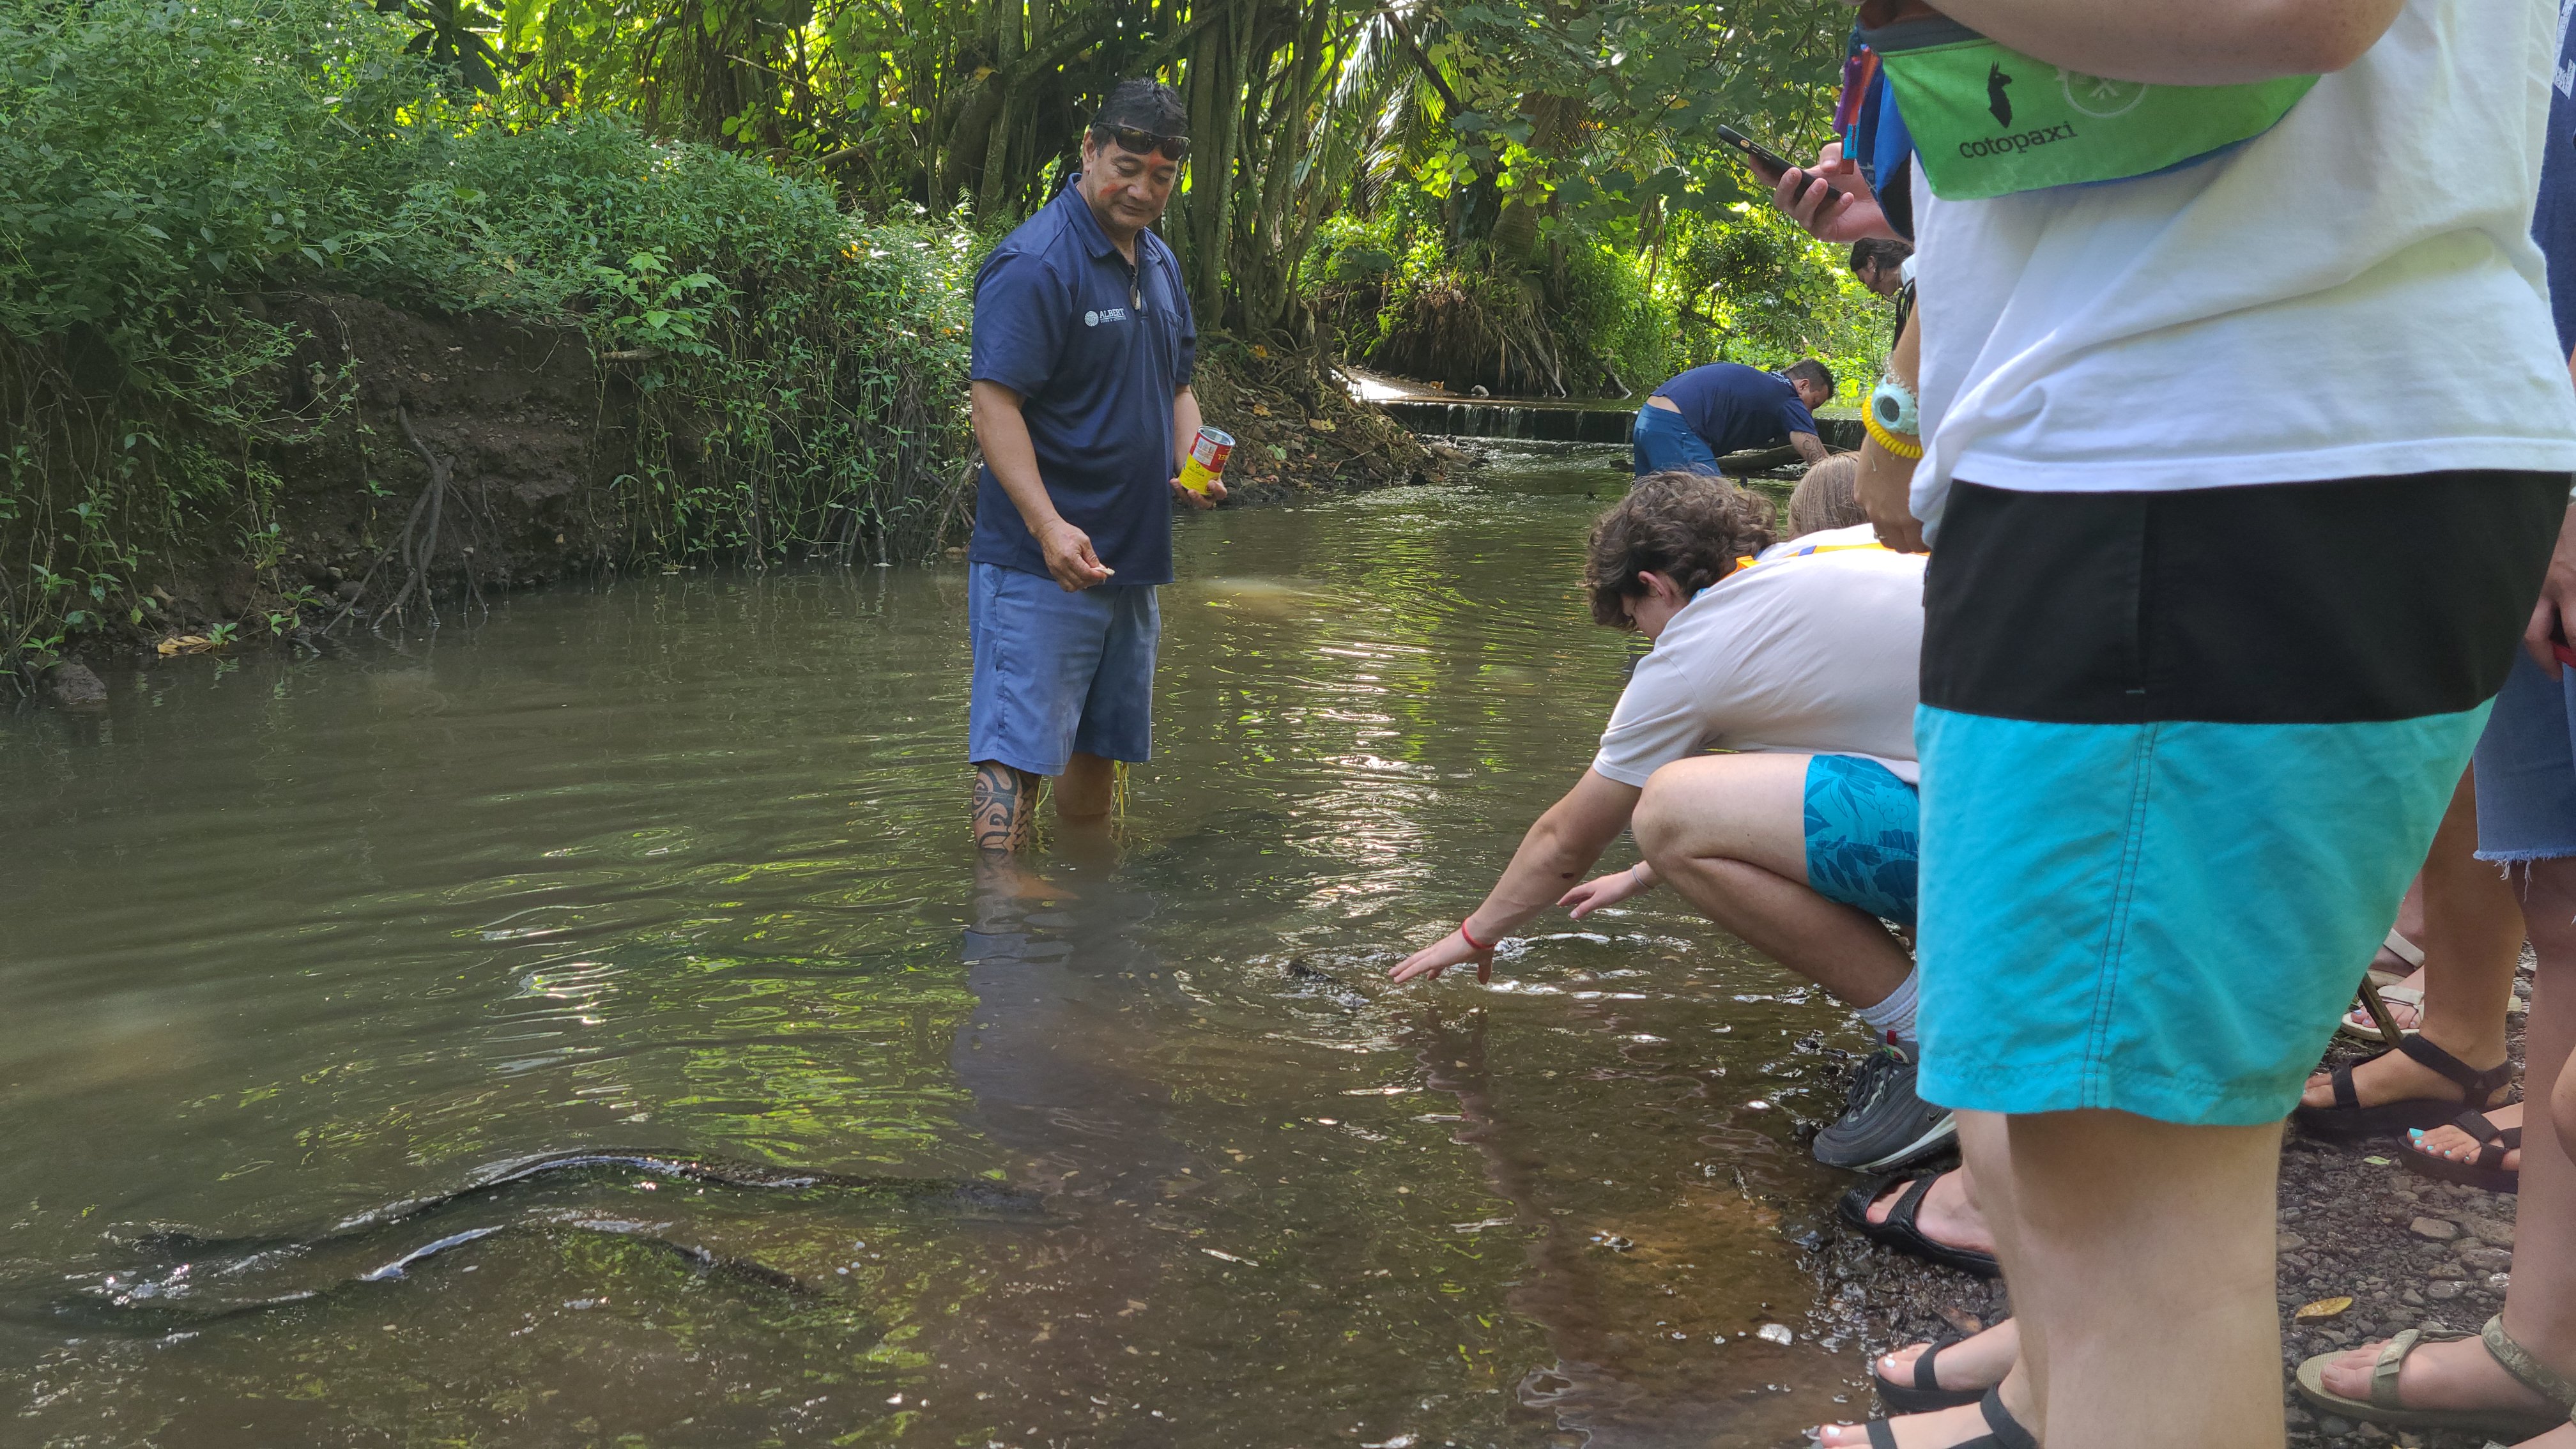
point(2354, 1223)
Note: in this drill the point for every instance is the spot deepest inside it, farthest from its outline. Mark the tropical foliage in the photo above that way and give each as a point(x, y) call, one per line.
point(769, 207)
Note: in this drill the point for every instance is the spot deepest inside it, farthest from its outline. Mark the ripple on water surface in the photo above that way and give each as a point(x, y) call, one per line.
point(678, 865)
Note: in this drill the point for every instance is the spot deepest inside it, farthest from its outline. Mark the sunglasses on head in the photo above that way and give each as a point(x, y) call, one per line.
point(1143, 142)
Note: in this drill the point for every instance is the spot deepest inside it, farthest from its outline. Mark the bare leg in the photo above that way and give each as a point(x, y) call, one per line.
point(2140, 1255)
point(1087, 787)
point(1005, 807)
point(2472, 940)
point(1729, 833)
point(2540, 1308)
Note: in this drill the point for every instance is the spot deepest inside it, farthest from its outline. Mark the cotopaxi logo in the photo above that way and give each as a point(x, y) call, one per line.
point(1114, 314)
point(2023, 141)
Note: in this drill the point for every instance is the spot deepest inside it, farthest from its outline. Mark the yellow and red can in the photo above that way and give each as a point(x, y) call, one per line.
point(1206, 461)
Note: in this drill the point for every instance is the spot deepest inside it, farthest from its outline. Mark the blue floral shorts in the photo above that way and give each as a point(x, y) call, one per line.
point(1863, 836)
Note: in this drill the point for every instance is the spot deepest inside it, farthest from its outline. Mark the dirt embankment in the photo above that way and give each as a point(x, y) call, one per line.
point(477, 453)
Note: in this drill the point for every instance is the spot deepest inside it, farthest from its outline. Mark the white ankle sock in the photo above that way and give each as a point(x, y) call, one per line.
point(1893, 1018)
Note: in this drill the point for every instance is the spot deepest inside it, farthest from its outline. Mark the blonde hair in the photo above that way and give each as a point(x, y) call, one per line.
point(1827, 497)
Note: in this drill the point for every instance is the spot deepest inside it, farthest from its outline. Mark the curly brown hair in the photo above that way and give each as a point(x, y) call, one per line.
point(1689, 527)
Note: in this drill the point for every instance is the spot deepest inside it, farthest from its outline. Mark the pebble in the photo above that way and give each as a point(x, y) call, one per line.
point(2292, 1242)
point(2494, 1232)
point(2486, 1260)
point(2440, 1230)
point(2444, 1291)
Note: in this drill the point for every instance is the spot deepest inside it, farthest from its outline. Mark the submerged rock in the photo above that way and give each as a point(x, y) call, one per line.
point(73, 686)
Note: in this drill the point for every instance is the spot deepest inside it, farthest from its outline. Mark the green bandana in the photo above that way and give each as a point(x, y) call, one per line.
point(1988, 121)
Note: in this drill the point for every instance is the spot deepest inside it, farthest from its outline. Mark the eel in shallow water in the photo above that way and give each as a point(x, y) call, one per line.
point(193, 1280)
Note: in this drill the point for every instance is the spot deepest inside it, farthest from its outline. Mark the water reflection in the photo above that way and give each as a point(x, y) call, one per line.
point(678, 864)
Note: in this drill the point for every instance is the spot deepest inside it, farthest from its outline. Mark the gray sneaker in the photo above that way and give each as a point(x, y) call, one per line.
point(1884, 1124)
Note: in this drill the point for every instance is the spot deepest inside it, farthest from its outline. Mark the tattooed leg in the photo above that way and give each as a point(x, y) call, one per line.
point(1005, 807)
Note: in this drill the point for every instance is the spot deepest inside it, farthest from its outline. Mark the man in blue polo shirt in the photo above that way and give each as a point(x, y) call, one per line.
point(1081, 395)
point(1727, 407)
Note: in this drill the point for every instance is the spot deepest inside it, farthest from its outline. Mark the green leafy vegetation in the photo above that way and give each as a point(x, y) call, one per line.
point(167, 164)
point(761, 214)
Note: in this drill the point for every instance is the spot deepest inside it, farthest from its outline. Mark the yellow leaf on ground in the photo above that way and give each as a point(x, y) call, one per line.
point(2321, 1309)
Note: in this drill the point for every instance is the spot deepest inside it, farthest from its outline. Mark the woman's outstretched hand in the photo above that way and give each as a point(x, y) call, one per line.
point(1608, 890)
point(1450, 950)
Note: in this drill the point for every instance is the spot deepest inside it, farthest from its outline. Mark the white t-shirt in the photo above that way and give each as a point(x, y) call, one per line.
point(1817, 649)
point(2354, 293)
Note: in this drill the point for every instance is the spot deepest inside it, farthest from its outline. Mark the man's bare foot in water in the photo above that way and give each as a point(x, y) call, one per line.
point(2460, 1374)
point(2389, 1077)
point(2458, 1146)
point(1978, 1361)
point(1947, 1216)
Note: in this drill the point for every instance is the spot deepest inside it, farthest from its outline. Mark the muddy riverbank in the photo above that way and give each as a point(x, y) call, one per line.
point(461, 456)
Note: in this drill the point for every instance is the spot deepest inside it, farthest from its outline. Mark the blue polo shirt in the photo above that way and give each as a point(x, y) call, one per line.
point(1096, 349)
point(2553, 223)
point(1734, 407)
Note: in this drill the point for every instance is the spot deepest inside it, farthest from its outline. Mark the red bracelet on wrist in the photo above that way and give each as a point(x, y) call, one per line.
point(1471, 941)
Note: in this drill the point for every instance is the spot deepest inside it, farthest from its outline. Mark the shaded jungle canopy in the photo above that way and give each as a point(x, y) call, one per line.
point(1530, 194)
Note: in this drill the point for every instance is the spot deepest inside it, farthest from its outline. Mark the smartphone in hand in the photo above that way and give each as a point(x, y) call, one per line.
point(1764, 158)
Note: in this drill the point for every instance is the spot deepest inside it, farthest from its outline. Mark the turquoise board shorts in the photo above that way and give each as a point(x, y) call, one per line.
point(1863, 836)
point(2181, 752)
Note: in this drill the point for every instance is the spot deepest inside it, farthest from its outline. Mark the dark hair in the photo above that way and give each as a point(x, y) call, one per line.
point(1689, 527)
point(1884, 253)
point(1147, 105)
point(1827, 497)
point(1813, 371)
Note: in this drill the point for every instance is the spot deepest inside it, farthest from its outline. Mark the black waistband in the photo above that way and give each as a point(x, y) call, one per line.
point(2296, 603)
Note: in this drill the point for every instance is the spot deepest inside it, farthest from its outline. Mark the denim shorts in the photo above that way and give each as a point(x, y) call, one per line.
point(2527, 769)
point(1664, 443)
point(1863, 836)
point(1057, 673)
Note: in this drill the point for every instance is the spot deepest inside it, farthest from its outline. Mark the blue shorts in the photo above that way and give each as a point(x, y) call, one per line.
point(2527, 769)
point(1057, 673)
point(2174, 780)
point(1664, 443)
point(1862, 836)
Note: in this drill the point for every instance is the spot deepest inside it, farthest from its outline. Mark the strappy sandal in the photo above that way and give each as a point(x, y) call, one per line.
point(2390, 995)
point(2003, 1431)
point(2486, 1170)
point(1925, 1394)
point(2348, 1119)
point(1899, 1230)
point(2383, 1407)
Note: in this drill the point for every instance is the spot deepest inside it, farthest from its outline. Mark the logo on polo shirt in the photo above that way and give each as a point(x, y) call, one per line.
point(1114, 314)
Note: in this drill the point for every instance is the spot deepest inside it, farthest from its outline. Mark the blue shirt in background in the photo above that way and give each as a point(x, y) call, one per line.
point(1096, 349)
point(1734, 407)
point(2553, 224)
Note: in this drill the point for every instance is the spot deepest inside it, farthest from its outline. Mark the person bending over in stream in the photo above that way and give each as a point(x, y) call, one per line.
point(1081, 395)
point(1803, 660)
point(1701, 415)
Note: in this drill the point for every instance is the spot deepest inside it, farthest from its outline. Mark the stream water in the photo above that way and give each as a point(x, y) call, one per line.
point(678, 866)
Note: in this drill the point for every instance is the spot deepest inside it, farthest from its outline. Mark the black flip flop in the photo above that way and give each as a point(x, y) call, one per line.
point(2348, 1119)
point(2003, 1431)
point(1924, 1394)
point(2486, 1170)
point(1899, 1230)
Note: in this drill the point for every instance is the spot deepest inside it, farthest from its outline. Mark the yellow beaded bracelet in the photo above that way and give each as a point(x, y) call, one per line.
point(1891, 442)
